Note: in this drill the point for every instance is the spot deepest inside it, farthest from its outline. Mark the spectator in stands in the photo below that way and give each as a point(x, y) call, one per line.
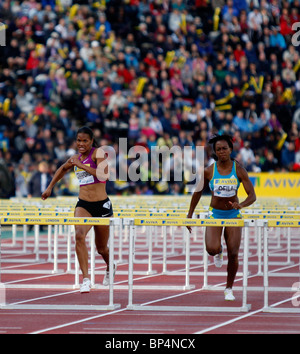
point(39, 181)
point(288, 155)
point(247, 155)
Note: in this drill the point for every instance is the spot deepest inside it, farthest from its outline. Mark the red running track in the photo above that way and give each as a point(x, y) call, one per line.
point(19, 270)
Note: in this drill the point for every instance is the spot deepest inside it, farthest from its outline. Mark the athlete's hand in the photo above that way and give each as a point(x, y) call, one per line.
point(235, 205)
point(189, 227)
point(47, 193)
point(74, 160)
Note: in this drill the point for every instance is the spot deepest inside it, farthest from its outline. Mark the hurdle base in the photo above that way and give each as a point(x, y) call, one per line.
point(189, 287)
point(60, 307)
point(281, 309)
point(188, 308)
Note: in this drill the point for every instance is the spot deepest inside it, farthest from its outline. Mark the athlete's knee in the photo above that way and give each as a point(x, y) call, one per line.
point(233, 255)
point(102, 250)
point(79, 236)
point(213, 250)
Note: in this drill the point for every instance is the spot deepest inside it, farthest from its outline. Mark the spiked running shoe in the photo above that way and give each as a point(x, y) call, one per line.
point(229, 294)
point(218, 259)
point(106, 277)
point(85, 287)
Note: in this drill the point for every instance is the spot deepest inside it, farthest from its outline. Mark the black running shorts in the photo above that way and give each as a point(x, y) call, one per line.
point(100, 209)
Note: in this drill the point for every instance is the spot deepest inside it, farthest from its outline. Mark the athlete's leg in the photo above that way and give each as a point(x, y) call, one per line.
point(101, 239)
point(233, 240)
point(80, 235)
point(213, 240)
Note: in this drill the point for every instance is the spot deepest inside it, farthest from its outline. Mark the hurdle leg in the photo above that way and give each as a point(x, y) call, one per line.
point(120, 242)
point(156, 236)
point(76, 284)
point(150, 249)
point(259, 250)
point(187, 259)
point(55, 249)
point(69, 249)
point(14, 234)
point(49, 243)
point(164, 234)
point(111, 262)
point(130, 265)
point(92, 244)
point(266, 270)
point(0, 248)
point(289, 245)
point(112, 224)
point(36, 242)
point(172, 239)
point(25, 238)
point(278, 234)
point(245, 306)
point(2, 286)
point(205, 264)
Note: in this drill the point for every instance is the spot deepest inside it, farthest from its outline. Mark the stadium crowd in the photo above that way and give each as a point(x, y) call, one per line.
point(160, 72)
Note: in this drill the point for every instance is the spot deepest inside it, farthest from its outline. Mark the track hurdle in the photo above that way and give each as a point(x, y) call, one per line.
point(155, 238)
point(266, 274)
point(188, 222)
point(67, 221)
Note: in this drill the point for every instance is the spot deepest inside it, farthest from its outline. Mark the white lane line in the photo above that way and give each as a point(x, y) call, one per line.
point(241, 317)
point(209, 329)
point(77, 322)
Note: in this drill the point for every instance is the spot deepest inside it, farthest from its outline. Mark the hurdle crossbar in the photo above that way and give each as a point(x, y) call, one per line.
point(54, 221)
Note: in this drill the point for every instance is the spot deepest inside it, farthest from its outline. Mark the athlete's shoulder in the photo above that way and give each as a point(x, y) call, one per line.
point(99, 153)
point(209, 171)
point(240, 170)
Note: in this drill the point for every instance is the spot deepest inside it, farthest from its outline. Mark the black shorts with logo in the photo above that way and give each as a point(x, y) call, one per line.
point(100, 209)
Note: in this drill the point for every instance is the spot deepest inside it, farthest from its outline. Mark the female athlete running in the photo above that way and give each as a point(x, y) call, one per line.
point(93, 200)
point(224, 178)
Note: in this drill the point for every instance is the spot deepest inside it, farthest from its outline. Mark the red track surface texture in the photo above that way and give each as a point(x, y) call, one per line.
point(28, 281)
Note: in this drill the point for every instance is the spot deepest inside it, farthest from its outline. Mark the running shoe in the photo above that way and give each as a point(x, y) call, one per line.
point(218, 259)
point(85, 287)
point(229, 294)
point(106, 277)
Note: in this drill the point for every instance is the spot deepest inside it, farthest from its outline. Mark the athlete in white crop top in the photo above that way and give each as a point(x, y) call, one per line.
point(224, 177)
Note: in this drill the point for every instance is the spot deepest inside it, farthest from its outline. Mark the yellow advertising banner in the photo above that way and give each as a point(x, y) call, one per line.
point(279, 185)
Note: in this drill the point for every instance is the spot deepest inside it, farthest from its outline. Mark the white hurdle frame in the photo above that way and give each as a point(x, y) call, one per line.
point(68, 221)
point(244, 308)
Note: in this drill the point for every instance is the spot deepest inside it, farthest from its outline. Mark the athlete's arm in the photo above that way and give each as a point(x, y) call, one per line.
point(202, 184)
point(67, 166)
point(248, 186)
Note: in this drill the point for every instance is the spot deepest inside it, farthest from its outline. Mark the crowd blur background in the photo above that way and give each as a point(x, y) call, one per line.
point(159, 72)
